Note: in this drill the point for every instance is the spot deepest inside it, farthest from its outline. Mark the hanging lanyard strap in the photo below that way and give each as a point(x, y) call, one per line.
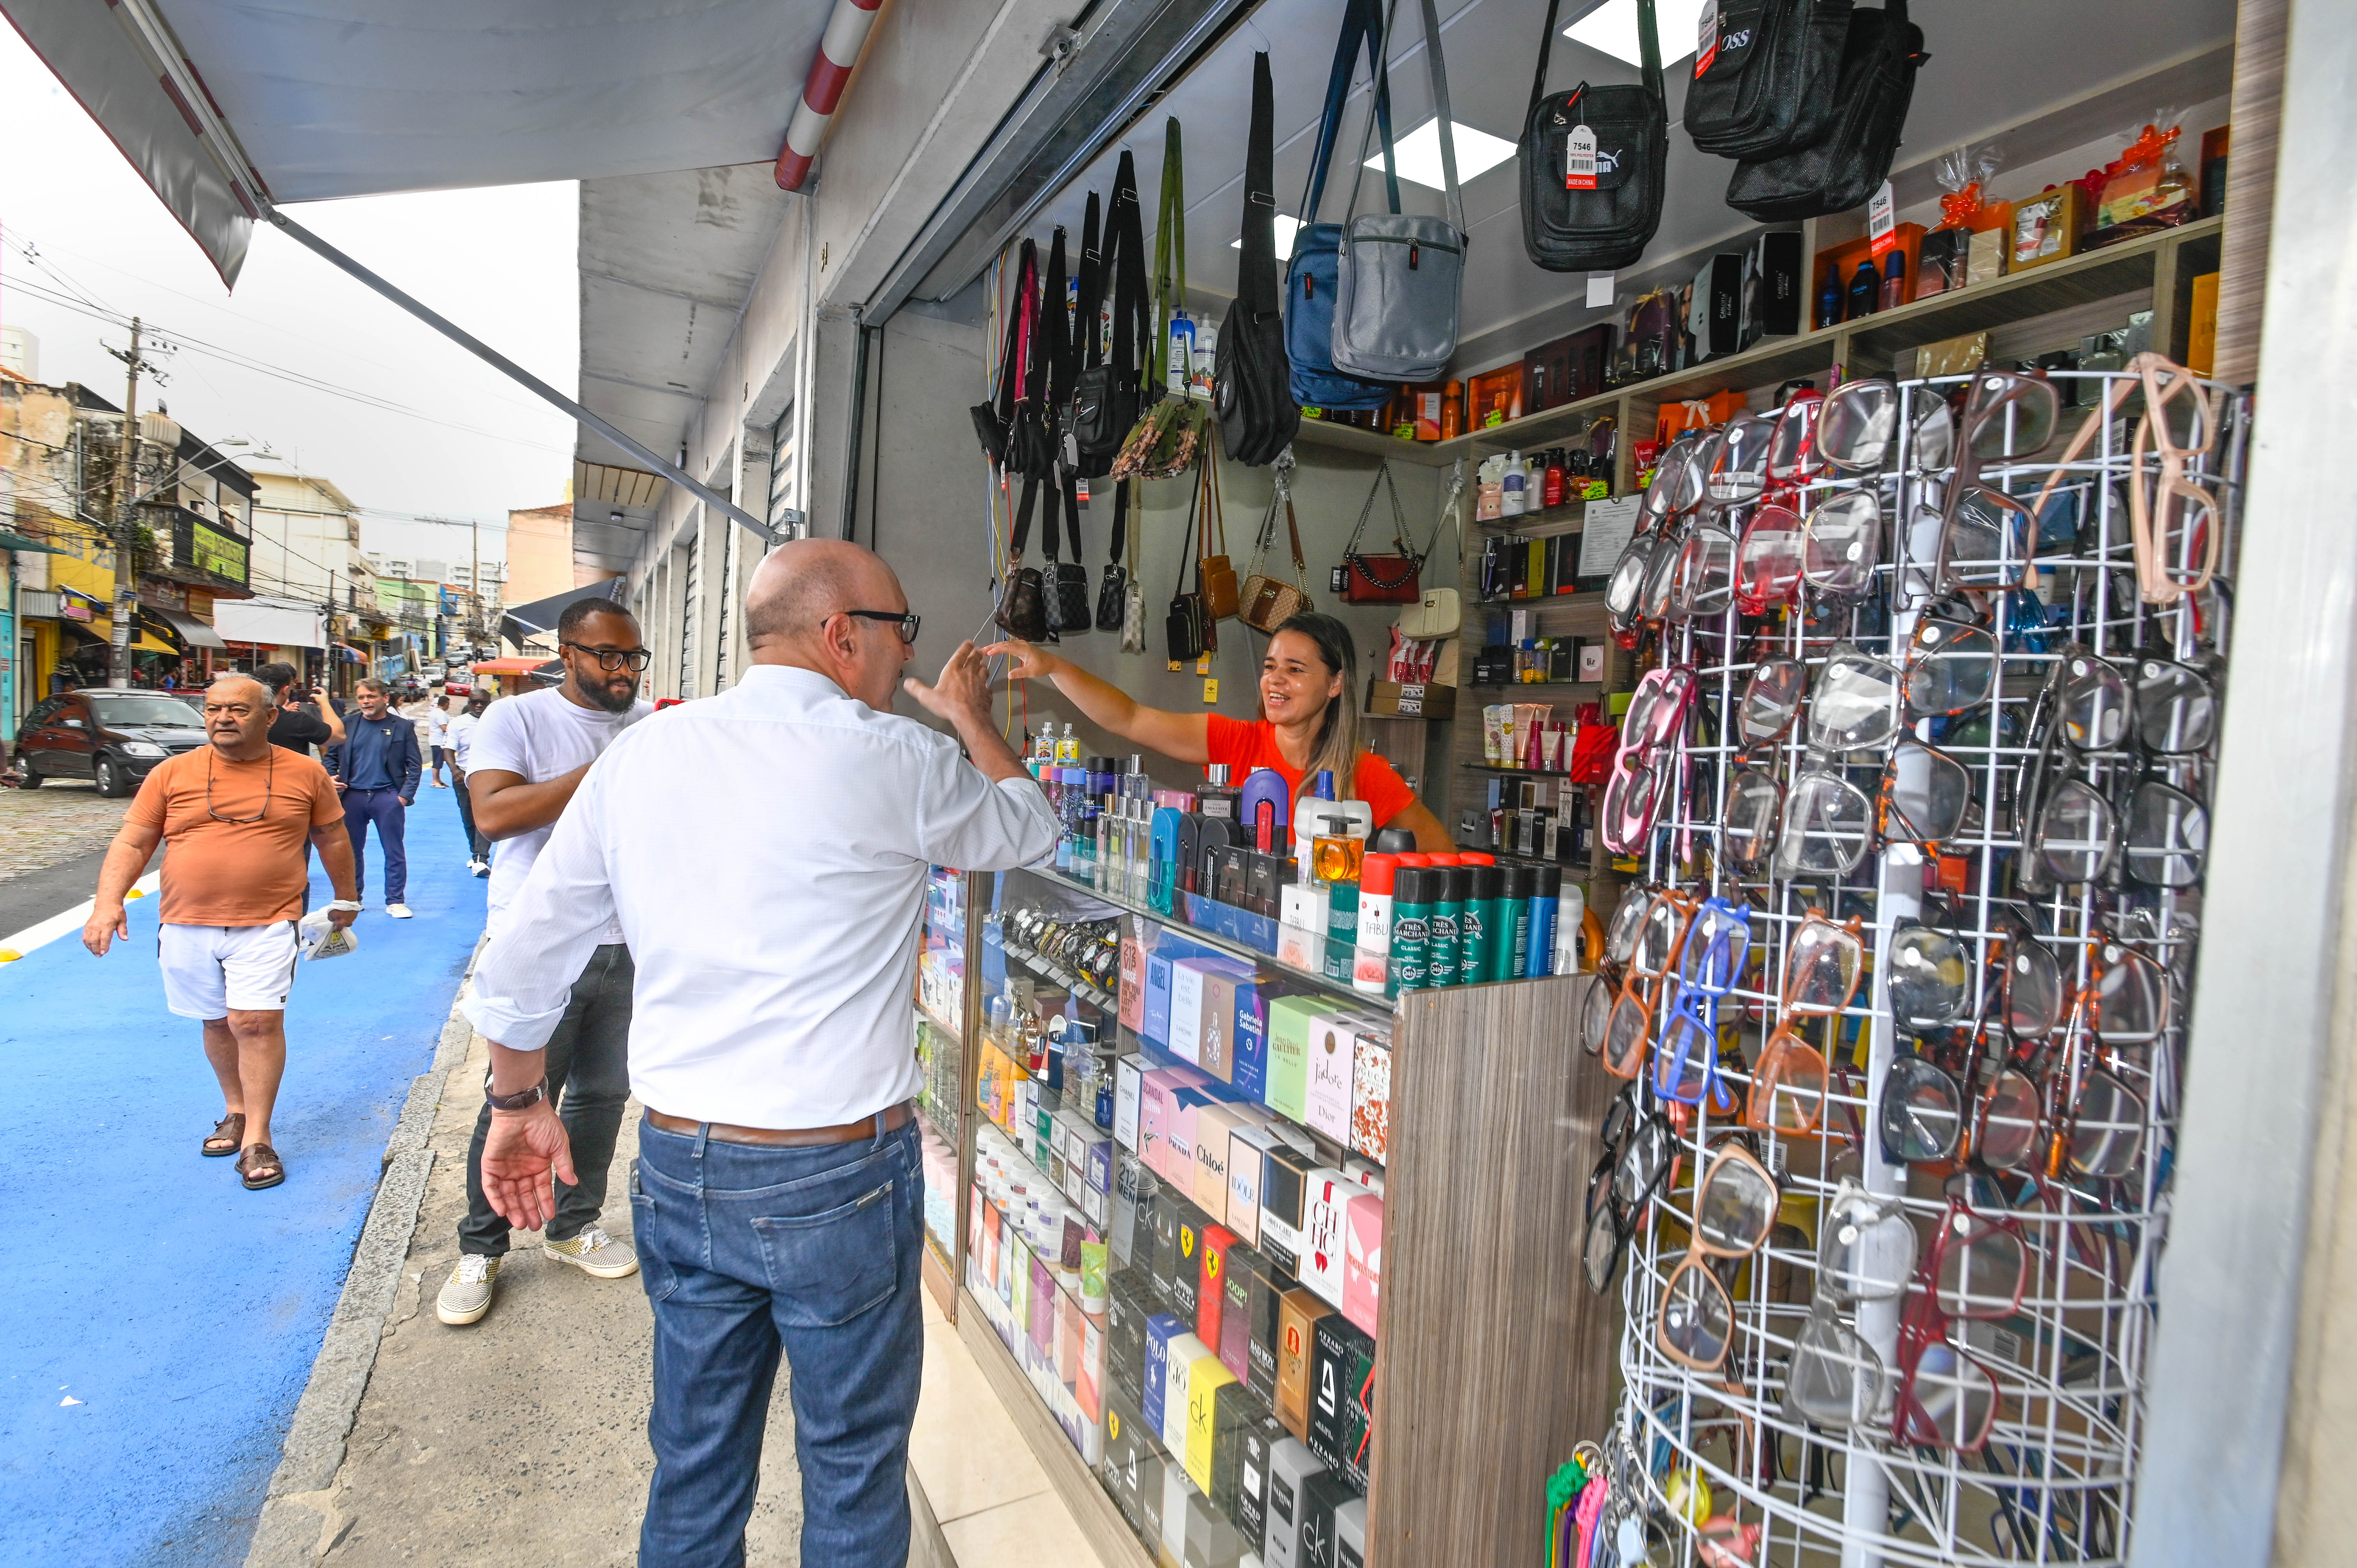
point(1087, 328)
point(1439, 72)
point(1169, 253)
point(1362, 22)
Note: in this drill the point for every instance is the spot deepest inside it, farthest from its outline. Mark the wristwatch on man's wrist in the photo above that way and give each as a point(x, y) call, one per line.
point(521, 1099)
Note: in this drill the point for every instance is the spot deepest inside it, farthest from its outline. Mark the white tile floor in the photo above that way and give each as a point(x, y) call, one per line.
point(995, 1505)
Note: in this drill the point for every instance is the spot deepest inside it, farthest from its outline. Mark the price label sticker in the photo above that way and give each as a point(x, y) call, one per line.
point(1203, 665)
point(1705, 38)
point(1599, 290)
point(1882, 221)
point(1579, 158)
point(1211, 691)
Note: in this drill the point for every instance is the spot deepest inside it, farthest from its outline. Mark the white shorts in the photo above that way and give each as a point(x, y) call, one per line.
point(209, 970)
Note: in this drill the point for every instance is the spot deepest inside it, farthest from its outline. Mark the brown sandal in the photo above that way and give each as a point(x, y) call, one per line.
point(261, 1167)
point(228, 1131)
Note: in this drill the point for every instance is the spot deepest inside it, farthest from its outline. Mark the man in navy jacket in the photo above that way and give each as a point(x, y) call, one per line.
point(376, 767)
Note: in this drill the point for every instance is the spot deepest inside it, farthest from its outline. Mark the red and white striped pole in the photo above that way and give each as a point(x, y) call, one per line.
point(838, 51)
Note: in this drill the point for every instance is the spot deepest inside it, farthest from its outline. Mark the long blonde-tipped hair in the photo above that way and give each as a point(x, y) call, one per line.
point(1341, 737)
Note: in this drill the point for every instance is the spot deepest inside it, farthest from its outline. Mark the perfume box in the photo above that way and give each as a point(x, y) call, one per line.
point(1177, 1166)
point(1128, 1080)
point(1776, 286)
point(1154, 1018)
point(1236, 1414)
point(1132, 1012)
point(1251, 1080)
point(1940, 265)
point(1210, 1540)
point(1175, 1489)
point(1186, 1267)
point(1341, 1377)
point(1351, 1534)
point(1126, 1311)
point(1371, 1095)
point(1298, 1314)
point(1320, 1496)
point(1284, 1204)
point(1333, 1047)
point(1248, 1150)
point(1256, 1438)
point(1185, 1351)
point(1118, 1467)
point(1215, 1130)
point(1152, 1464)
point(1362, 1262)
point(1269, 1287)
point(1155, 1089)
point(1231, 994)
point(1984, 258)
point(1130, 1240)
point(1166, 1204)
point(1235, 1343)
point(1323, 1235)
point(1160, 1330)
point(1211, 1285)
point(1291, 1469)
point(1096, 1159)
point(1205, 1378)
point(1290, 1020)
point(1190, 1006)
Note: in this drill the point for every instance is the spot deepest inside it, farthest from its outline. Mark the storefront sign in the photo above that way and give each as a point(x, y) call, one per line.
point(217, 552)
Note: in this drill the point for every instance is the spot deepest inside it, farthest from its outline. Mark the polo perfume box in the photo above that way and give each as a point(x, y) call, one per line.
point(1125, 1341)
point(1265, 1330)
point(1371, 1095)
point(1285, 1205)
point(1160, 1330)
point(1289, 1019)
point(1351, 1534)
point(1129, 1075)
point(1291, 1469)
point(1211, 1288)
point(1256, 1438)
point(1341, 1390)
point(1186, 1351)
point(1333, 1051)
point(1325, 1239)
point(1215, 1127)
point(1298, 1314)
point(1362, 1261)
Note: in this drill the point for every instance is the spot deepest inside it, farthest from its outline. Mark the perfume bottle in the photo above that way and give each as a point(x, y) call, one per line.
point(1829, 300)
point(1067, 749)
point(1865, 290)
point(1335, 853)
point(1894, 280)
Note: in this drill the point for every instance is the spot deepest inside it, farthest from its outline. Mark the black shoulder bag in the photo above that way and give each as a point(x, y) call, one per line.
point(1252, 389)
point(1597, 214)
point(1067, 588)
point(1112, 593)
point(1104, 394)
point(1764, 76)
point(1879, 58)
point(1022, 610)
point(1031, 447)
point(1186, 627)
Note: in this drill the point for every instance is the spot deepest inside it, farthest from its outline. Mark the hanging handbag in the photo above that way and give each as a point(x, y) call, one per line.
point(1113, 591)
point(993, 419)
point(1215, 577)
point(1186, 629)
point(1310, 277)
point(1067, 588)
point(1022, 611)
point(1363, 579)
point(1268, 602)
point(1439, 613)
point(1251, 391)
point(1104, 396)
point(1133, 603)
point(1169, 430)
point(1765, 76)
point(1879, 58)
point(1400, 279)
point(1603, 222)
point(1030, 446)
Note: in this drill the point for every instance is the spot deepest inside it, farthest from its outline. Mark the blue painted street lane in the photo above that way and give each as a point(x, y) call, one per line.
point(160, 1321)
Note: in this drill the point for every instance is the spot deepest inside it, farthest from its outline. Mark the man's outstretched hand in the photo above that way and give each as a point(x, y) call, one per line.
point(520, 1154)
point(962, 695)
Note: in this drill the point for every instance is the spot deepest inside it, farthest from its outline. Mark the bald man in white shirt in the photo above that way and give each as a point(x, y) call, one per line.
point(765, 851)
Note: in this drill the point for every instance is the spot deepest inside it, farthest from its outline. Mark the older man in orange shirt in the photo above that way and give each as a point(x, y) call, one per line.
point(237, 813)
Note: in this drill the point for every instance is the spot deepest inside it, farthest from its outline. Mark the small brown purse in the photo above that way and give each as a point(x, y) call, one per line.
point(1267, 602)
point(1218, 580)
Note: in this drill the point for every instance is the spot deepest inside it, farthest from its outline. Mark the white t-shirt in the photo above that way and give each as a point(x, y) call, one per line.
point(462, 726)
point(538, 736)
point(437, 724)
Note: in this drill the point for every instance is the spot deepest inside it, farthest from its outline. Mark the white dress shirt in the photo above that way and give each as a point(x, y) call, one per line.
point(765, 851)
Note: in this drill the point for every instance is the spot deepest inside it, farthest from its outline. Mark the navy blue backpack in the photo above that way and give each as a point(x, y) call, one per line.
point(1311, 279)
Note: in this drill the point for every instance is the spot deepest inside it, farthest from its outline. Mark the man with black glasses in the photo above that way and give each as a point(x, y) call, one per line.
point(238, 814)
point(526, 755)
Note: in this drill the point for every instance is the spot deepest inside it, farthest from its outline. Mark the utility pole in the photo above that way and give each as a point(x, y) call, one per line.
point(126, 493)
point(475, 584)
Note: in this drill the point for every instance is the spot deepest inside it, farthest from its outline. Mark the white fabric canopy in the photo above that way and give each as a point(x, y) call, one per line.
point(287, 623)
point(332, 97)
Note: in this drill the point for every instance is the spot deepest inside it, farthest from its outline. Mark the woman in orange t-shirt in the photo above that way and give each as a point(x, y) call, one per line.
point(1308, 723)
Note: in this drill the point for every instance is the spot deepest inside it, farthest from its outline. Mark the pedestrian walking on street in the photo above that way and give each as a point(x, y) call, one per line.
point(462, 730)
point(376, 767)
point(527, 756)
point(298, 724)
point(237, 814)
point(438, 730)
point(765, 851)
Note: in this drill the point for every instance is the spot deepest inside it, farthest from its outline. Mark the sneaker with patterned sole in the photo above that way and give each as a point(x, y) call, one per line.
point(467, 1294)
point(594, 1253)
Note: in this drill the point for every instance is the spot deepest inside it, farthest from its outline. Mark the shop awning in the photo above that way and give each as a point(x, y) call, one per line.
point(285, 623)
point(506, 666)
point(192, 631)
point(523, 622)
point(23, 545)
point(345, 653)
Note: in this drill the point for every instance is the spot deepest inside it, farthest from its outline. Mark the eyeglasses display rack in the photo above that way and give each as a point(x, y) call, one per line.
point(1920, 793)
point(1428, 1438)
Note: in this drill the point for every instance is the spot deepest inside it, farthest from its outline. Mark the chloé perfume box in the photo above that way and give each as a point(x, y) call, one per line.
point(1215, 1129)
point(1291, 1470)
point(1298, 1314)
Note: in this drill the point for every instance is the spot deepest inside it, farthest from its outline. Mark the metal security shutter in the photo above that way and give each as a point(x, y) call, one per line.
point(691, 607)
point(724, 644)
point(785, 518)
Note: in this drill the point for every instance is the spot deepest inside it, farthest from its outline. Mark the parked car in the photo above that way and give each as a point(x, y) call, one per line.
point(111, 737)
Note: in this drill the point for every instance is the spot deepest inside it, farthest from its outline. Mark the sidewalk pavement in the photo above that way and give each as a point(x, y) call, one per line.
point(520, 1439)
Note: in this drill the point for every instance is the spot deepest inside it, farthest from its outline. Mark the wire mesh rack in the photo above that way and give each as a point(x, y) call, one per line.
point(1882, 1395)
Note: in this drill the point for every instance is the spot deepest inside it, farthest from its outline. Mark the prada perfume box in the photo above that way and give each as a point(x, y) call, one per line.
point(1178, 1166)
point(1298, 1314)
point(1291, 1469)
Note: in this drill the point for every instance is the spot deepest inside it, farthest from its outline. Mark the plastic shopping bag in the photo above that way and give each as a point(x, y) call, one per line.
point(320, 939)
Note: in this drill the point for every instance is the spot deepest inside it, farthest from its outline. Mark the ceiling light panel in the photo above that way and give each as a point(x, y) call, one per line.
point(1287, 227)
point(1612, 29)
point(1419, 153)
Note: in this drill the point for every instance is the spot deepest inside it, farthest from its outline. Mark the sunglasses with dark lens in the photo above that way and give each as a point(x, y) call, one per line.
point(613, 659)
point(907, 622)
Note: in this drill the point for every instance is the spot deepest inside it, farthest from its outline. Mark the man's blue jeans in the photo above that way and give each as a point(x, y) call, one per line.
point(746, 1250)
point(383, 808)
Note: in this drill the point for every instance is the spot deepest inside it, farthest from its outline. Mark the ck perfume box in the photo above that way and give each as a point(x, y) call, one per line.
point(1291, 1470)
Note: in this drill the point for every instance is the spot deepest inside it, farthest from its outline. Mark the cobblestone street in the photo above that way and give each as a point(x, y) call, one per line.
point(55, 822)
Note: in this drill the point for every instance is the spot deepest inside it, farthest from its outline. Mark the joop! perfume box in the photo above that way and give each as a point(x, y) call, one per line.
point(1290, 1020)
point(1291, 1469)
point(1333, 1049)
point(1298, 1314)
point(1324, 1248)
point(1362, 1262)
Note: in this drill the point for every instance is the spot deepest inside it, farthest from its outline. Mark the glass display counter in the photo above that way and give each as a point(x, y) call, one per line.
point(940, 1023)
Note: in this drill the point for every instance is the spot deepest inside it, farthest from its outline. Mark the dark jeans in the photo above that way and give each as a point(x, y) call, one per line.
point(476, 842)
point(747, 1250)
point(383, 808)
point(589, 1065)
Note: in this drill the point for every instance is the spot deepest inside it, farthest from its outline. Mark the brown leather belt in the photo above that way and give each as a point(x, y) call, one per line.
point(894, 1119)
